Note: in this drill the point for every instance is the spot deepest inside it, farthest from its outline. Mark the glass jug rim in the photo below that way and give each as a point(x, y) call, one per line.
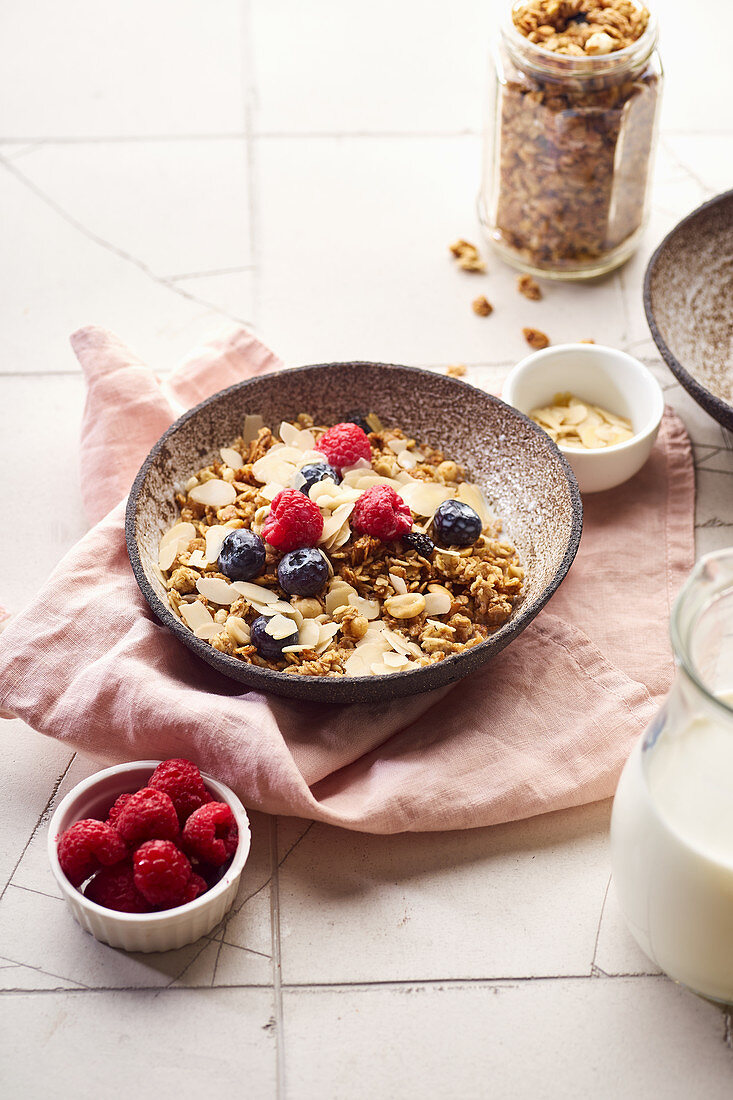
point(680, 640)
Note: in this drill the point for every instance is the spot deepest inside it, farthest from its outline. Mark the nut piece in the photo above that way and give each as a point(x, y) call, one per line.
point(529, 288)
point(481, 306)
point(456, 370)
point(600, 42)
point(406, 606)
point(467, 256)
point(535, 338)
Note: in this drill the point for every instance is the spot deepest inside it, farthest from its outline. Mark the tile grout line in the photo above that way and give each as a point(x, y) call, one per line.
point(593, 968)
point(277, 962)
point(39, 822)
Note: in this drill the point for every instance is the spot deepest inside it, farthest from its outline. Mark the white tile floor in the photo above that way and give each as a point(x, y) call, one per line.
point(301, 167)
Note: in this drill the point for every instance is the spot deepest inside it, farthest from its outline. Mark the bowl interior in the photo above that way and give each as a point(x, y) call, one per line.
point(599, 375)
point(689, 303)
point(526, 479)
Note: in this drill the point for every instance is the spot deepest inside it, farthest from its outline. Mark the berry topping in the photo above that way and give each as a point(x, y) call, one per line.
point(211, 833)
point(181, 781)
point(456, 524)
point(294, 521)
point(303, 572)
point(148, 815)
point(85, 846)
point(116, 809)
point(313, 473)
point(420, 543)
point(267, 646)
point(358, 419)
point(161, 872)
point(344, 444)
point(382, 513)
point(242, 555)
point(114, 887)
point(195, 887)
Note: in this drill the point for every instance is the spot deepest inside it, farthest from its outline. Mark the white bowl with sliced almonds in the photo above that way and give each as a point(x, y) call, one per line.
point(601, 406)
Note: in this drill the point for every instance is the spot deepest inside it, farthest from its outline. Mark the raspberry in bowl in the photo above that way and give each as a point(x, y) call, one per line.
point(148, 854)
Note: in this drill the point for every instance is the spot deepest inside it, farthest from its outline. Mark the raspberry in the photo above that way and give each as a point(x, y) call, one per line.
point(294, 521)
point(382, 513)
point(85, 846)
point(116, 809)
point(195, 887)
point(181, 781)
point(114, 888)
point(161, 872)
point(148, 815)
point(211, 833)
point(344, 444)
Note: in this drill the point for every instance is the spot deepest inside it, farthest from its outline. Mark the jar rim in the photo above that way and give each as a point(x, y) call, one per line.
point(679, 632)
point(551, 63)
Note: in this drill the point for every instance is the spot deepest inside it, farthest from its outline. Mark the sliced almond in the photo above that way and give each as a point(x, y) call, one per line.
point(198, 560)
point(252, 424)
point(400, 644)
point(438, 603)
point(207, 631)
point(338, 596)
point(309, 634)
point(398, 445)
point(279, 627)
point(215, 493)
point(168, 554)
point(195, 614)
point(355, 665)
point(396, 660)
point(237, 629)
point(254, 593)
point(214, 538)
point(217, 590)
point(473, 496)
point(231, 458)
point(424, 496)
point(368, 608)
point(178, 533)
point(399, 585)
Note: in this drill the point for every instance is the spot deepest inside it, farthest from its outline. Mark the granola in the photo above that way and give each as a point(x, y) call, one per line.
point(387, 606)
point(578, 87)
point(482, 306)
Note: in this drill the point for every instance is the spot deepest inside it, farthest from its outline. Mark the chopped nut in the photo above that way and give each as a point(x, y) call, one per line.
point(481, 306)
point(535, 338)
point(467, 256)
point(405, 606)
point(527, 286)
point(456, 370)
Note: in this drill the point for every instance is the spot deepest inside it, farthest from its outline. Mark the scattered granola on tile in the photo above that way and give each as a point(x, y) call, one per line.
point(482, 306)
point(467, 256)
point(332, 551)
point(456, 370)
point(535, 338)
point(527, 286)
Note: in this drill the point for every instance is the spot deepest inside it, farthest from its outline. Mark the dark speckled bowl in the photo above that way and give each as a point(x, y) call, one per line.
point(688, 298)
point(527, 480)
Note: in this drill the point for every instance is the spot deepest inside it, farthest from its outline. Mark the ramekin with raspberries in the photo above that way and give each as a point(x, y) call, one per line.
point(148, 855)
point(342, 550)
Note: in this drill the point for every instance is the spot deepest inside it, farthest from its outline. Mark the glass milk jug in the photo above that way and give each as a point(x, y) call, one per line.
point(672, 823)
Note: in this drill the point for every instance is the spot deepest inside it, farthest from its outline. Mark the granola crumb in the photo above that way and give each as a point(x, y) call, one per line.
point(535, 338)
point(482, 306)
point(467, 256)
point(456, 370)
point(527, 286)
point(590, 340)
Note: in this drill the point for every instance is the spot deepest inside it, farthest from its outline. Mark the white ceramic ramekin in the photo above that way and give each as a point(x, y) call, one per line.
point(144, 931)
point(602, 376)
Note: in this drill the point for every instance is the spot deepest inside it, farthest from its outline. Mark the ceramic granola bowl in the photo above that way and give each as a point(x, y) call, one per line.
point(688, 299)
point(527, 481)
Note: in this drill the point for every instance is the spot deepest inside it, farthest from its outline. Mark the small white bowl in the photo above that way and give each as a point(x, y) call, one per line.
point(602, 376)
point(163, 931)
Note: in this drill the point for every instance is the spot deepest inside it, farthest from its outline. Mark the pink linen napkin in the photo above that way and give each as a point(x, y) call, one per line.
point(546, 725)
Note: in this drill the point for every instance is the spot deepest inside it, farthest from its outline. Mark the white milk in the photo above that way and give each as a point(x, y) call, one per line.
point(672, 851)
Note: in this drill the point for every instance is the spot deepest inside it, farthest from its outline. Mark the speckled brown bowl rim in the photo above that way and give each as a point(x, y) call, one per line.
point(361, 688)
point(716, 407)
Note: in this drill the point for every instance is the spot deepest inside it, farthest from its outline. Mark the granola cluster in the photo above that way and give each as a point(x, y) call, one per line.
point(387, 606)
point(575, 131)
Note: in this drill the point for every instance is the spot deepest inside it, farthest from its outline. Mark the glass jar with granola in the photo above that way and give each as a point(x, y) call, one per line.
point(569, 151)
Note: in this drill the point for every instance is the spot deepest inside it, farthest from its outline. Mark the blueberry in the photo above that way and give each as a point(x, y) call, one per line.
point(421, 543)
point(303, 572)
point(358, 419)
point(242, 555)
point(456, 524)
point(268, 647)
point(315, 472)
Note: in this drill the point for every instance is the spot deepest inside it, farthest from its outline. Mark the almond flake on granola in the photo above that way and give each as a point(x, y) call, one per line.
point(215, 493)
point(217, 590)
point(195, 614)
point(231, 458)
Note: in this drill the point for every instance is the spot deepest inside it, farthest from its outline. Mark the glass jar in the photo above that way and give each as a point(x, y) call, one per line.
point(568, 154)
point(672, 822)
